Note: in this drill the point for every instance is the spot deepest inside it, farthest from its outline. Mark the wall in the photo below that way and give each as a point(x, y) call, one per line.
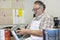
point(11, 5)
point(52, 7)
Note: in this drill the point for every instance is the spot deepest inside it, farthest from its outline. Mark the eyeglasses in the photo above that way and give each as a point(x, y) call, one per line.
point(35, 9)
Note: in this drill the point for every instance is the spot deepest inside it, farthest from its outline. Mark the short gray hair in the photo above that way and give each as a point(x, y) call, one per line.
point(40, 3)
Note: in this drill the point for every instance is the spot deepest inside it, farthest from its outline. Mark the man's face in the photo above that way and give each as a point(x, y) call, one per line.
point(37, 9)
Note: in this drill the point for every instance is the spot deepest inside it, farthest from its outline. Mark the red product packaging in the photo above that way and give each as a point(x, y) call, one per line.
point(7, 34)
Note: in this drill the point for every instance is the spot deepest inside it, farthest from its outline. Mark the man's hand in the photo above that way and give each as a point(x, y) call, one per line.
point(21, 32)
point(31, 32)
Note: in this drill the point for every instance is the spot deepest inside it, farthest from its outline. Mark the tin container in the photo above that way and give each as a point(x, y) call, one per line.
point(51, 34)
point(7, 34)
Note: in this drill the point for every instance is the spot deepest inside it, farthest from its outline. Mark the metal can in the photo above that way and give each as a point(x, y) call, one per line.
point(7, 34)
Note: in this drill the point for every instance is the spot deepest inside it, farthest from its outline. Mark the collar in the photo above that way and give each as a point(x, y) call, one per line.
point(40, 16)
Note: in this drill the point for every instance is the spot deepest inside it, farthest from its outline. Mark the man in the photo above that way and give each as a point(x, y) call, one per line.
point(40, 22)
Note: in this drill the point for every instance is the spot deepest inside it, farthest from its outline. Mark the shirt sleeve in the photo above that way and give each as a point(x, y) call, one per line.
point(47, 23)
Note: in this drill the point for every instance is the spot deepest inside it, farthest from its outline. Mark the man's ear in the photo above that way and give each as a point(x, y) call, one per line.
point(42, 10)
point(41, 7)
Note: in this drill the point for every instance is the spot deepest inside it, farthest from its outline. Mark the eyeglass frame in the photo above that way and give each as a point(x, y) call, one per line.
point(36, 9)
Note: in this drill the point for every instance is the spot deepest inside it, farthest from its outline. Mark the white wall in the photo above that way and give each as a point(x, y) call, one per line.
point(52, 7)
point(28, 13)
point(28, 6)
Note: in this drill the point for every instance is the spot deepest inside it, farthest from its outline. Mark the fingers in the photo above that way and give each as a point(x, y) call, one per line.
point(17, 31)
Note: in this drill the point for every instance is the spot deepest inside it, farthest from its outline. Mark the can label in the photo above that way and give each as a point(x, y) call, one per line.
point(7, 34)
